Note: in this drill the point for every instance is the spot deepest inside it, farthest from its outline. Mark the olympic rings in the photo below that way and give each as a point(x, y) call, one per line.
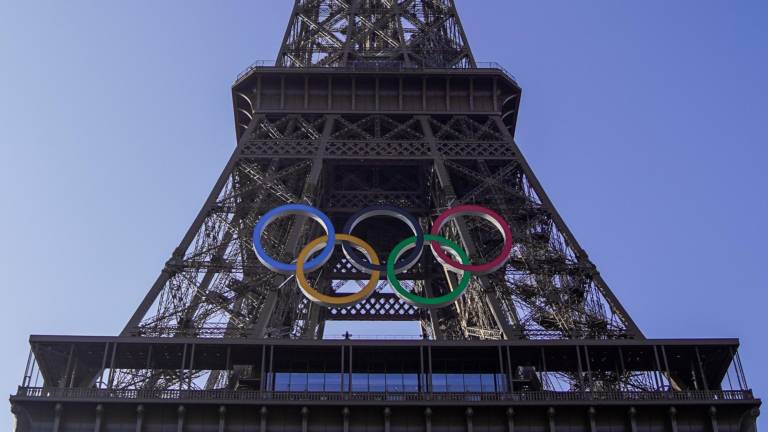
point(396, 213)
point(490, 216)
point(417, 300)
point(299, 210)
point(364, 257)
point(335, 301)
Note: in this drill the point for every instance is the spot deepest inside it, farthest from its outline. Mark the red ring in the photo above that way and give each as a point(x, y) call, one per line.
point(487, 214)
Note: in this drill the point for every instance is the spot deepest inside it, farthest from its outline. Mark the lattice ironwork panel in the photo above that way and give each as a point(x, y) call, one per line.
point(377, 149)
point(284, 148)
point(377, 307)
point(353, 201)
point(377, 127)
point(289, 127)
point(474, 150)
point(465, 128)
point(339, 268)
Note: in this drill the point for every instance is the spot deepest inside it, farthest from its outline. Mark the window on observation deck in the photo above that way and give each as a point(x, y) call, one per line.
point(388, 382)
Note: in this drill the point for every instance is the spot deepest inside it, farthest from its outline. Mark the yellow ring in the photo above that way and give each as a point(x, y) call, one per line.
point(337, 301)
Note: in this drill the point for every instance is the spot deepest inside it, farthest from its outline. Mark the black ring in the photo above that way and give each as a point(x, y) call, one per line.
point(403, 264)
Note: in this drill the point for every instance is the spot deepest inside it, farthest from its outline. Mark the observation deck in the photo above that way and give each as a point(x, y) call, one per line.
point(623, 381)
point(382, 87)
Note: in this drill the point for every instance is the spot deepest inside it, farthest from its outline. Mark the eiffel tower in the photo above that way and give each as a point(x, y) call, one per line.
point(380, 104)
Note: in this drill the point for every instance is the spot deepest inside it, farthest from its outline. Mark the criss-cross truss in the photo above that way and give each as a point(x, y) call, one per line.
point(427, 131)
point(215, 287)
point(412, 33)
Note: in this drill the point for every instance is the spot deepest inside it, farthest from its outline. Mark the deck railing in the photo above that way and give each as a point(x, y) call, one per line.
point(246, 395)
point(371, 66)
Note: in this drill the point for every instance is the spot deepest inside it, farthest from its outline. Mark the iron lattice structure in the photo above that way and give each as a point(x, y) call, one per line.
point(378, 102)
point(424, 33)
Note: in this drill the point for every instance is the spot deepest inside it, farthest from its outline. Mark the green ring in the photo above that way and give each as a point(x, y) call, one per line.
point(418, 300)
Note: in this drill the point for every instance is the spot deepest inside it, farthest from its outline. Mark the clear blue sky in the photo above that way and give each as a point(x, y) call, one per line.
point(646, 122)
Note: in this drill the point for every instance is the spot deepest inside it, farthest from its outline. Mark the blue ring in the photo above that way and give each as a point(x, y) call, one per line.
point(403, 264)
point(301, 210)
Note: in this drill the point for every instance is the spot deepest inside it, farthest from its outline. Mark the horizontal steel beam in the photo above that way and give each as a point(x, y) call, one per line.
point(246, 397)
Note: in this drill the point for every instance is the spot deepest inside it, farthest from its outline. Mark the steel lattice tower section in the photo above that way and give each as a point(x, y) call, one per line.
point(376, 102)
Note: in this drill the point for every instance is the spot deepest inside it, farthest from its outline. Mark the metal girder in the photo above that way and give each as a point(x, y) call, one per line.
point(309, 195)
point(503, 321)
